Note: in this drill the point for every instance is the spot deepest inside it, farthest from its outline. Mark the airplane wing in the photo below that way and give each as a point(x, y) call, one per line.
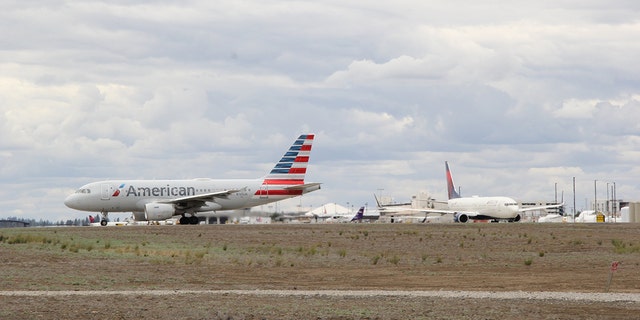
point(541, 207)
point(475, 213)
point(390, 205)
point(402, 207)
point(397, 210)
point(203, 197)
point(443, 212)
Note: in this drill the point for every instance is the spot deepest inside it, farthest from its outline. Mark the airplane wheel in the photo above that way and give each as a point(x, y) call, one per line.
point(194, 220)
point(184, 220)
point(103, 222)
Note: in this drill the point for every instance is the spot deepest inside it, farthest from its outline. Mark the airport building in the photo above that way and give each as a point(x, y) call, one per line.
point(13, 224)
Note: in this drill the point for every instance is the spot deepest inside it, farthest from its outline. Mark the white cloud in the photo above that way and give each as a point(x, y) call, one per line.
point(576, 109)
point(515, 95)
point(380, 122)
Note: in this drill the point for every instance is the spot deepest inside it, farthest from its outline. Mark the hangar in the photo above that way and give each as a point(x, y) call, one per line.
point(13, 224)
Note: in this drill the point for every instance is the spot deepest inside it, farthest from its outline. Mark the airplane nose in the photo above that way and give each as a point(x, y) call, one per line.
point(70, 201)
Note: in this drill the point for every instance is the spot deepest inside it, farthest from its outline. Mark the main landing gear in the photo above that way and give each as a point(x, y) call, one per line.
point(189, 220)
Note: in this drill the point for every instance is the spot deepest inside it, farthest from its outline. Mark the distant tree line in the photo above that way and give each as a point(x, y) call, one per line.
point(48, 223)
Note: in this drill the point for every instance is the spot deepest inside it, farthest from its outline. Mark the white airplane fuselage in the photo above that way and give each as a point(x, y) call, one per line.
point(134, 195)
point(490, 207)
point(162, 199)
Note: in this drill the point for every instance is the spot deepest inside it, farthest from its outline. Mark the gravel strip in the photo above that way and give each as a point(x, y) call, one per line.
point(506, 295)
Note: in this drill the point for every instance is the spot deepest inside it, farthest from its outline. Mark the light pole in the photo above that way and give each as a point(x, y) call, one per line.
point(615, 203)
point(595, 196)
point(608, 204)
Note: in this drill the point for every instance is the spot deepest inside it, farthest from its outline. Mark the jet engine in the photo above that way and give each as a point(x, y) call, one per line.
point(461, 217)
point(158, 211)
point(139, 216)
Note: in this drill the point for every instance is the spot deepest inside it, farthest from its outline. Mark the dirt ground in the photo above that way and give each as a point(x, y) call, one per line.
point(389, 257)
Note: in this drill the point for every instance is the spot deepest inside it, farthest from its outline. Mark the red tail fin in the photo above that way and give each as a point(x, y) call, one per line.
point(451, 188)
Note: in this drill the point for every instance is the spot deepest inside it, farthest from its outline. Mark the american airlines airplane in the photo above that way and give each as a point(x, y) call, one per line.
point(162, 199)
point(464, 209)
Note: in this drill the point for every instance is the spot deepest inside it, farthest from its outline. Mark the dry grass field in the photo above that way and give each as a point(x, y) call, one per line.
point(90, 272)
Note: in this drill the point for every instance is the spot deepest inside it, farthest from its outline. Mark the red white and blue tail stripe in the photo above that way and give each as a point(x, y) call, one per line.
point(287, 176)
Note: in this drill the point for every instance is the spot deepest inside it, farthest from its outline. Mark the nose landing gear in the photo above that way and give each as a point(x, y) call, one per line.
point(104, 218)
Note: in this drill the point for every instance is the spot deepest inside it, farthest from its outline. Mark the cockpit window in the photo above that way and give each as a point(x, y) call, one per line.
point(85, 191)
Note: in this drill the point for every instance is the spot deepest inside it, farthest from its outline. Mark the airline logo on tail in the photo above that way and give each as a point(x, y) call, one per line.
point(359, 215)
point(290, 170)
point(451, 189)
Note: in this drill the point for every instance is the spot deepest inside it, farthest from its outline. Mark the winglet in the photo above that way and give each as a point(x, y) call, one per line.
point(451, 188)
point(377, 201)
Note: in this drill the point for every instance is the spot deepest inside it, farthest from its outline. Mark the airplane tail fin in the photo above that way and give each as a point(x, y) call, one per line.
point(359, 215)
point(288, 174)
point(451, 188)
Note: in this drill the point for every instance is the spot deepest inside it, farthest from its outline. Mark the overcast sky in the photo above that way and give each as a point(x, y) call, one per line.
point(518, 96)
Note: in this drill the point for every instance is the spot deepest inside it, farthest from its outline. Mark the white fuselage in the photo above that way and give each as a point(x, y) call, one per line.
point(491, 207)
point(133, 195)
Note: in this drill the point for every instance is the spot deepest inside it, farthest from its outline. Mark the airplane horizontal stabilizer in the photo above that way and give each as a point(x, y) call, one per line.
point(306, 186)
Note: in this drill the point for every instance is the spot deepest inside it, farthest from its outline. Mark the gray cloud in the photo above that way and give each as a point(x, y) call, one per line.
point(516, 96)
